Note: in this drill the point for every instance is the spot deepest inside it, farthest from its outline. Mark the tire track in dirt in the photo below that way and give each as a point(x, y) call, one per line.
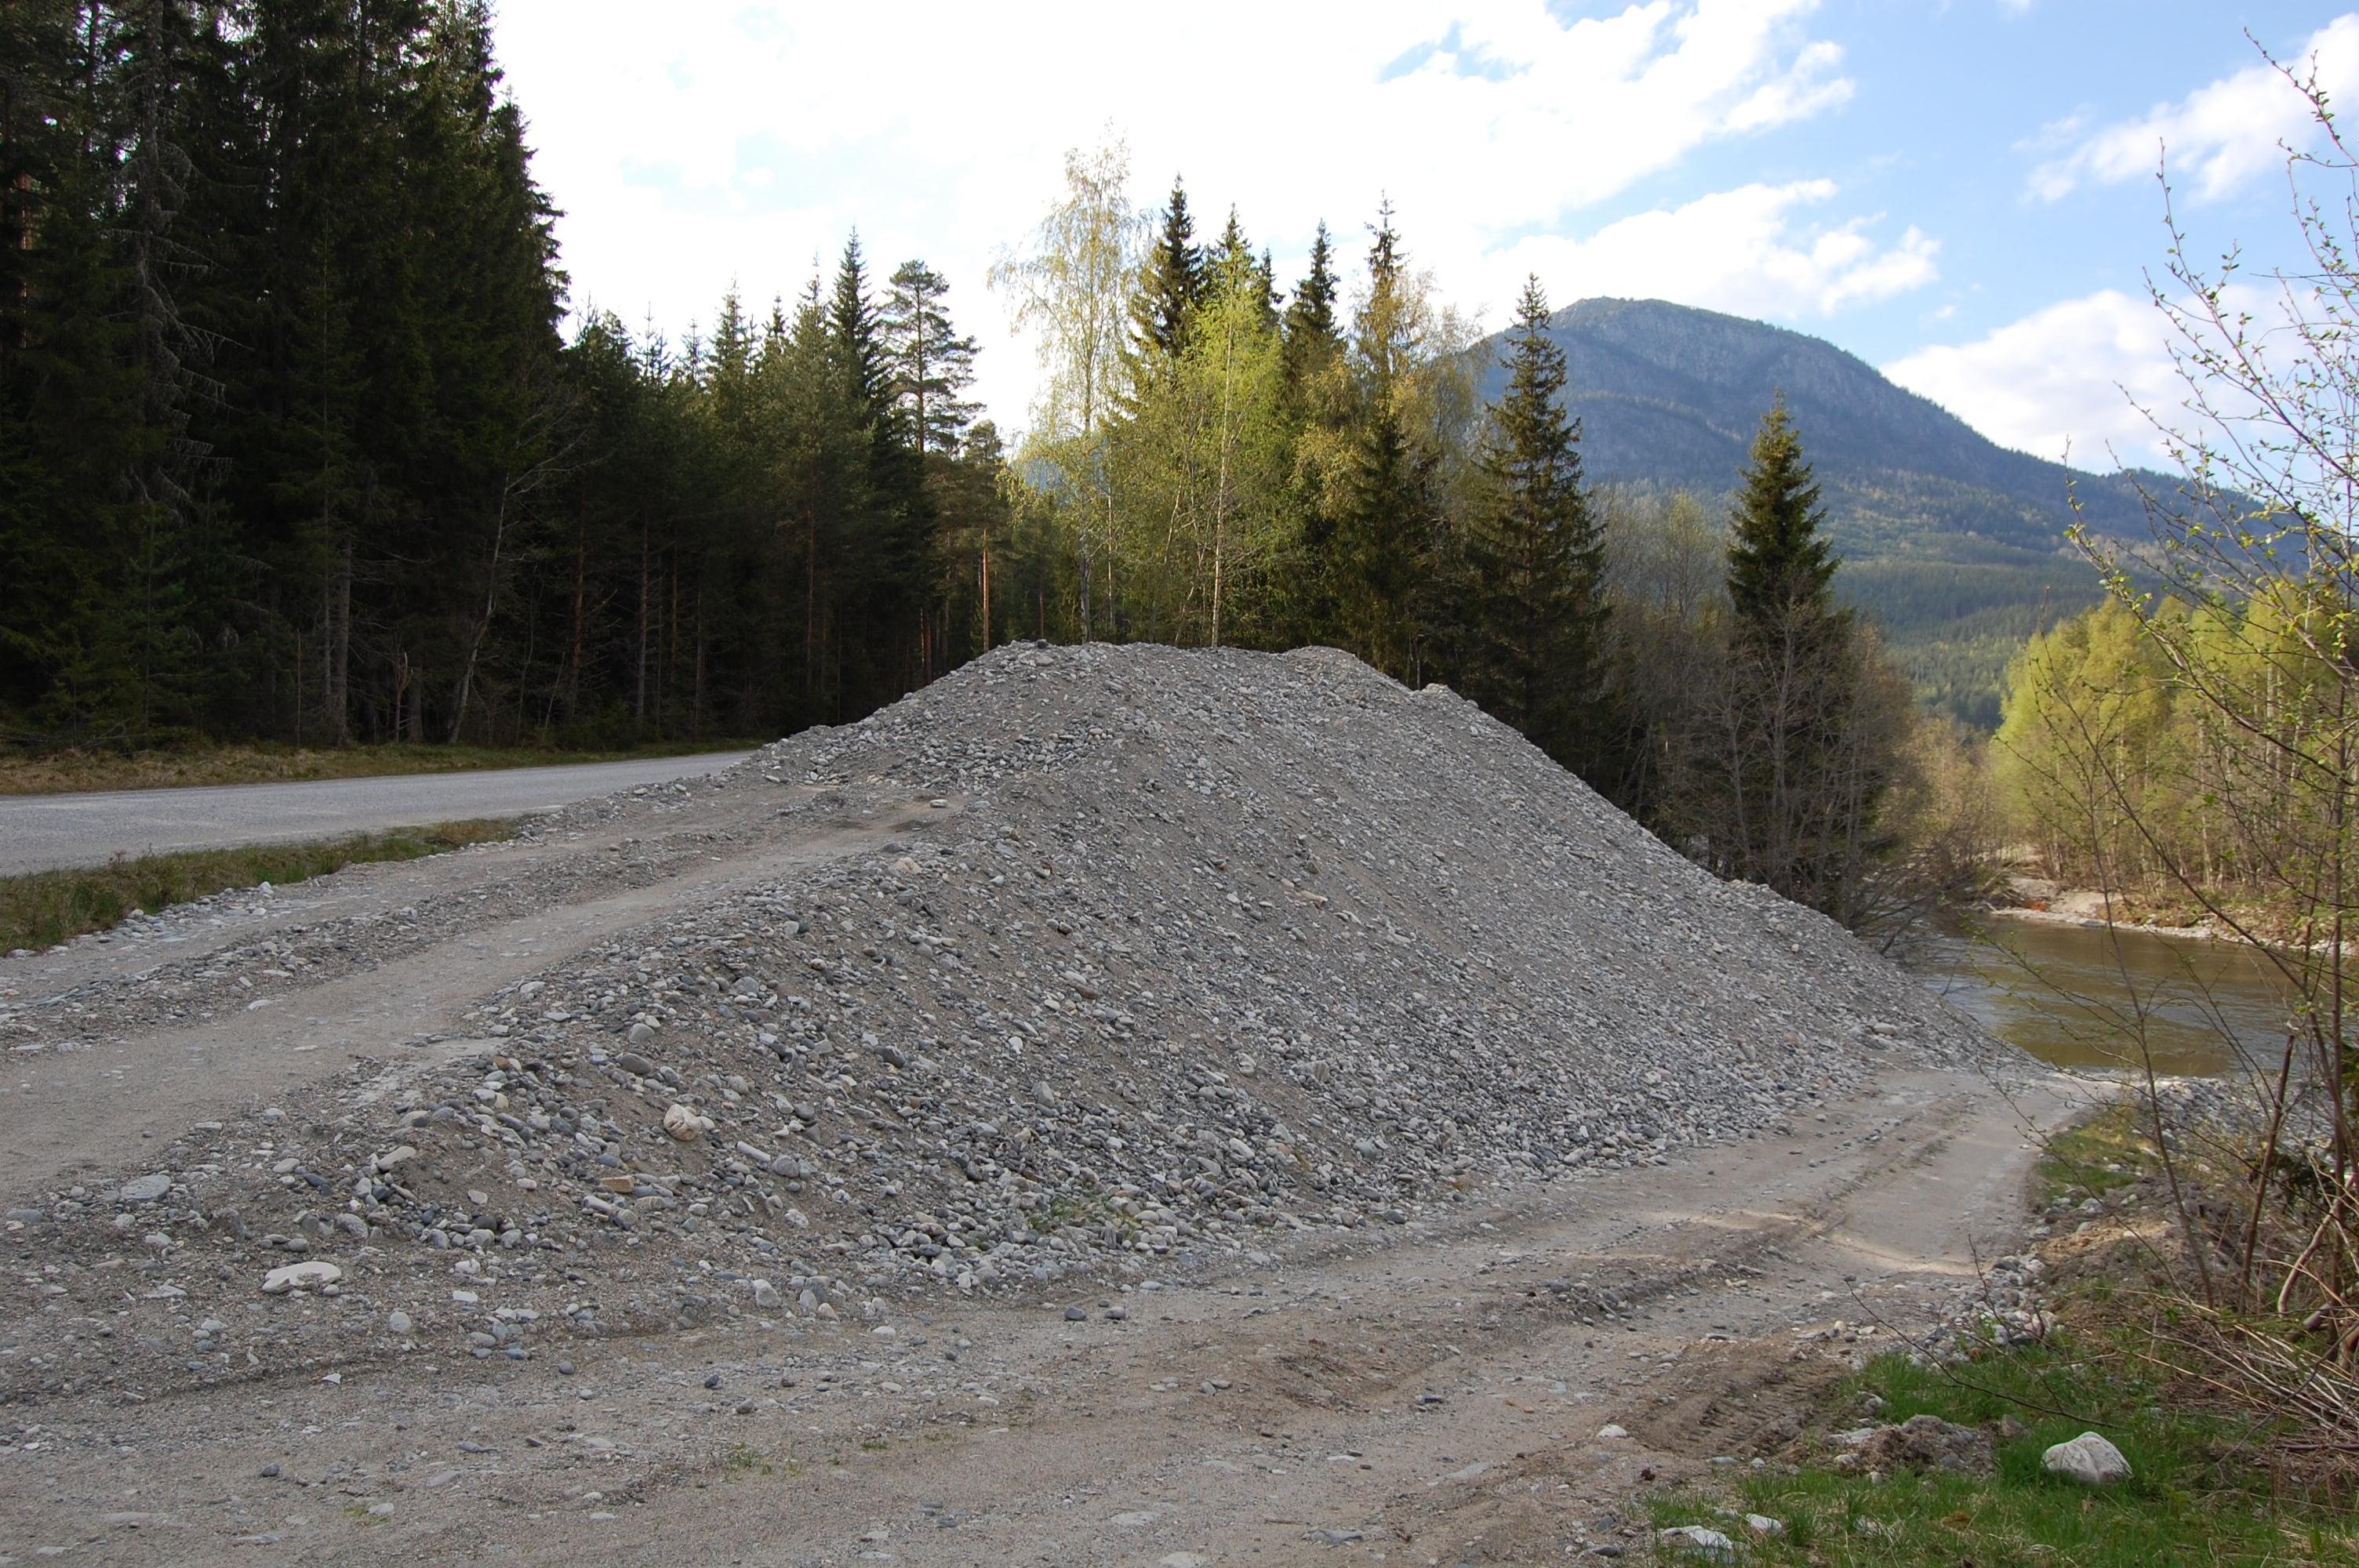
point(73, 1109)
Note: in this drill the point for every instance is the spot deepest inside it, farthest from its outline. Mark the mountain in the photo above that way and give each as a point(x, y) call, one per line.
point(1951, 542)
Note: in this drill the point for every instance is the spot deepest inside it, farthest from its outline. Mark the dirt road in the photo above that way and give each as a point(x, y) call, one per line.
point(39, 832)
point(803, 1285)
point(1434, 1396)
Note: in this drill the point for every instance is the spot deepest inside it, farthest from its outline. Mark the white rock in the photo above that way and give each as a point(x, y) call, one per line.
point(1611, 1430)
point(308, 1273)
point(684, 1124)
point(1698, 1537)
point(1762, 1524)
point(2088, 1459)
point(398, 1321)
point(144, 1189)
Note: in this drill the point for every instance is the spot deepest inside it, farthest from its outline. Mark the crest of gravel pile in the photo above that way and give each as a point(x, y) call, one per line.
point(1192, 946)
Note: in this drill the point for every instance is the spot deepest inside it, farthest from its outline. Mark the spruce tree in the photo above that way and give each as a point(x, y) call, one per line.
point(1381, 553)
point(889, 574)
point(1806, 750)
point(856, 334)
point(1535, 557)
point(1171, 283)
point(1312, 341)
point(1314, 397)
point(1234, 252)
point(1780, 565)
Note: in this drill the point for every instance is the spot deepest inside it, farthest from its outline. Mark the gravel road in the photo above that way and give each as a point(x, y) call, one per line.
point(1118, 1106)
point(43, 832)
point(1435, 1393)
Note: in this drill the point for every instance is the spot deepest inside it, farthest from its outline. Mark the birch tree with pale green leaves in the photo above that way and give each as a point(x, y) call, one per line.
point(1071, 290)
point(1202, 463)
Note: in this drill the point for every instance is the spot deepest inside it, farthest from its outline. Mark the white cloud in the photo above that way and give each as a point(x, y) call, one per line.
point(2218, 136)
point(1743, 251)
point(735, 142)
point(2070, 376)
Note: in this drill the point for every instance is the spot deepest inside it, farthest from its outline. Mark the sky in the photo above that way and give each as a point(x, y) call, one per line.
point(1961, 192)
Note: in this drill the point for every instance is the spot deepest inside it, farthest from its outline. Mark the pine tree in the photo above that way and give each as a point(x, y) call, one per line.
point(1780, 565)
point(1383, 544)
point(1535, 554)
point(933, 363)
point(890, 570)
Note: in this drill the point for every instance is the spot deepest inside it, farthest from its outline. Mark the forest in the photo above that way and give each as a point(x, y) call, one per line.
point(301, 445)
point(293, 446)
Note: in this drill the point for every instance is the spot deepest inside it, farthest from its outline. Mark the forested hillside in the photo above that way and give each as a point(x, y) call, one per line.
point(1954, 543)
point(290, 446)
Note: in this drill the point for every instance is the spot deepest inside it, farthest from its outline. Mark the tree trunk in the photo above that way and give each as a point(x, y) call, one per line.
point(580, 621)
point(639, 695)
point(339, 645)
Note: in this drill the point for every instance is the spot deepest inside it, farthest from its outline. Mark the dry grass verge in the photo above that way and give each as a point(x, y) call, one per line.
point(40, 909)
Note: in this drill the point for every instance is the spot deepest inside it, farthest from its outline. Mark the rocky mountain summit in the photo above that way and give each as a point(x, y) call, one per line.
point(1134, 959)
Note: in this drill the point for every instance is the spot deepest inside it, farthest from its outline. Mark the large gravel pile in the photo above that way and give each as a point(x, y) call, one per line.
point(1192, 947)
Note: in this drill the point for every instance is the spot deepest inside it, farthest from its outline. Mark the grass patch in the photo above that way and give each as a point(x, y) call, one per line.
point(2196, 1495)
point(2096, 1155)
point(59, 772)
point(40, 909)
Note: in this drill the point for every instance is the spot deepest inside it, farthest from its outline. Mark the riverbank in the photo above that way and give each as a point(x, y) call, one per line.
point(2052, 917)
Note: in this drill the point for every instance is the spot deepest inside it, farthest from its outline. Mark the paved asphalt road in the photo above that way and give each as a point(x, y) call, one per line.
point(39, 832)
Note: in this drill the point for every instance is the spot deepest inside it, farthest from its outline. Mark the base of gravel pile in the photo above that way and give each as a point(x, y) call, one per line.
point(1186, 950)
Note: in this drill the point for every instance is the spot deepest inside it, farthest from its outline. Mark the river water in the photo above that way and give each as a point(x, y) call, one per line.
point(2064, 993)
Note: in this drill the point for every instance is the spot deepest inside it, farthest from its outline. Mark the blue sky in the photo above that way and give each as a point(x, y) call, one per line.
point(1960, 192)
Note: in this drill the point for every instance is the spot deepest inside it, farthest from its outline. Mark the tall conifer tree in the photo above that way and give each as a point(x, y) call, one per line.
point(1172, 281)
point(1389, 522)
point(1780, 564)
point(1534, 556)
point(933, 363)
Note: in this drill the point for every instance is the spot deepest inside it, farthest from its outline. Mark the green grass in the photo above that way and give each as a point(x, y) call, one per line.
point(40, 909)
point(2095, 1156)
point(2196, 1497)
point(56, 773)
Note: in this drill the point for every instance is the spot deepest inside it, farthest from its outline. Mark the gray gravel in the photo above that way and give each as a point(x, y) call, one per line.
point(1183, 952)
point(44, 832)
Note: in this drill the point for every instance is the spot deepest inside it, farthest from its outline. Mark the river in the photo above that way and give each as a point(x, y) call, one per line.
point(2064, 993)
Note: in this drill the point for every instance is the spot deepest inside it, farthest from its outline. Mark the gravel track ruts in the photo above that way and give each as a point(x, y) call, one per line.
point(1431, 1395)
point(145, 1073)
